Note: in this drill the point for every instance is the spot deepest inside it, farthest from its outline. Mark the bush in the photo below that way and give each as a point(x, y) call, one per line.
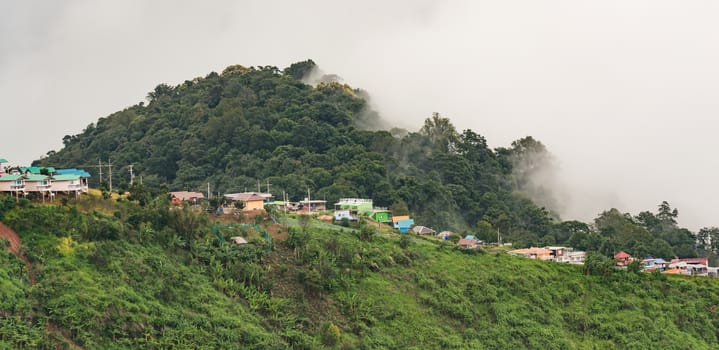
point(329, 334)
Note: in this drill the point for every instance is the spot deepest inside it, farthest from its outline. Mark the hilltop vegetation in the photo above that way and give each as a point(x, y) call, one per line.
point(118, 275)
point(264, 125)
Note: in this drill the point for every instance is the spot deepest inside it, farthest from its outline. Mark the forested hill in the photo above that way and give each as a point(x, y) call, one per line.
point(262, 124)
point(265, 125)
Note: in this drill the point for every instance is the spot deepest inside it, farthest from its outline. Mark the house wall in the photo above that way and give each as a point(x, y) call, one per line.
point(381, 217)
point(254, 205)
point(342, 214)
point(66, 186)
point(5, 186)
point(32, 186)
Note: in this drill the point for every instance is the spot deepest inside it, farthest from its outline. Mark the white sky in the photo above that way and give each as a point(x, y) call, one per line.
point(622, 92)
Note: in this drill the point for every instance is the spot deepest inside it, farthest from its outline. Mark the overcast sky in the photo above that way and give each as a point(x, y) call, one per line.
point(624, 93)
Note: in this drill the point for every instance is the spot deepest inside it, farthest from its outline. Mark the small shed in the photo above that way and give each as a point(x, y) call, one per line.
point(238, 240)
point(444, 235)
point(423, 230)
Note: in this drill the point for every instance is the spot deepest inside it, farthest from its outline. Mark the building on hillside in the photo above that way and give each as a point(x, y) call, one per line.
point(423, 230)
point(468, 243)
point(357, 206)
point(185, 196)
point(623, 259)
point(397, 218)
point(575, 257)
point(250, 200)
point(84, 177)
point(533, 253)
point(403, 224)
point(312, 205)
point(691, 266)
point(2, 166)
point(695, 261)
point(344, 214)
point(12, 183)
point(652, 264)
point(690, 269)
point(41, 184)
point(444, 235)
point(69, 183)
point(381, 215)
point(565, 255)
point(281, 205)
point(713, 271)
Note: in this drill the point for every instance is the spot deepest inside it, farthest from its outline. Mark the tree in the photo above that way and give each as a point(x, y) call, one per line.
point(187, 222)
point(300, 70)
point(440, 132)
point(666, 214)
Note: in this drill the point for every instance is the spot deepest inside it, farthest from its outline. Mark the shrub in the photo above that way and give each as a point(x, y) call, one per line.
point(329, 334)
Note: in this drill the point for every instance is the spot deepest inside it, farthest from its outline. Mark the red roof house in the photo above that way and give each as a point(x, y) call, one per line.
point(623, 258)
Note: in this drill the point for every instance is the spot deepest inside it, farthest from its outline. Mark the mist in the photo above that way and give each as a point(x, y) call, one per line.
point(622, 93)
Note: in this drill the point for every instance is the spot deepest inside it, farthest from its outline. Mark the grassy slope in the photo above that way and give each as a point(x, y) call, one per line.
point(115, 293)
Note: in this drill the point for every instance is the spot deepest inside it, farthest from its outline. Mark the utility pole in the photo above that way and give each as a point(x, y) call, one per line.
point(109, 166)
point(132, 175)
point(209, 195)
point(258, 186)
point(309, 206)
point(99, 166)
point(268, 185)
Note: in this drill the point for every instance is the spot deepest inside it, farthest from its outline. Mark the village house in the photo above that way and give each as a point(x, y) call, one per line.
point(344, 214)
point(651, 264)
point(533, 253)
point(39, 183)
point(12, 183)
point(355, 207)
point(623, 259)
point(381, 215)
point(311, 205)
point(185, 196)
point(402, 223)
point(72, 185)
point(469, 242)
point(2, 167)
point(250, 200)
point(68, 184)
point(689, 266)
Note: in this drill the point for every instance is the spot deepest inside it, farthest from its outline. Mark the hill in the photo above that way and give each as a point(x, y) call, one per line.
point(153, 277)
point(264, 127)
point(250, 127)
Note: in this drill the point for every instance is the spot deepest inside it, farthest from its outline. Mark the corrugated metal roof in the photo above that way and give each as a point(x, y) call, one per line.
point(73, 171)
point(3, 160)
point(245, 197)
point(10, 177)
point(34, 178)
point(66, 177)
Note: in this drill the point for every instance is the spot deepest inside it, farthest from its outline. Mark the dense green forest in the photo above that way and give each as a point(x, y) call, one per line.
point(117, 274)
point(265, 125)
